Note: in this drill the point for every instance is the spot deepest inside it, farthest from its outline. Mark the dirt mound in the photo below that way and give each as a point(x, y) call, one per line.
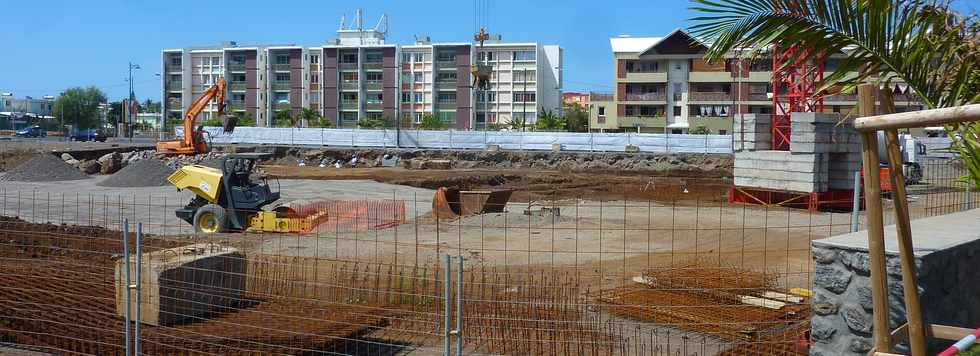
point(142, 173)
point(43, 168)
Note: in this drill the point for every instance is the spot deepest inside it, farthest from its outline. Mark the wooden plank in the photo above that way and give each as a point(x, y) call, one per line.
point(917, 335)
point(949, 332)
point(901, 334)
point(924, 118)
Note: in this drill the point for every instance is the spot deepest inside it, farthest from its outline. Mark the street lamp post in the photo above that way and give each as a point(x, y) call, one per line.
point(129, 103)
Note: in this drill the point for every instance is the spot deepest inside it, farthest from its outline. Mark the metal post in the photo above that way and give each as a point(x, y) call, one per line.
point(856, 208)
point(459, 305)
point(969, 196)
point(129, 303)
point(448, 308)
point(138, 285)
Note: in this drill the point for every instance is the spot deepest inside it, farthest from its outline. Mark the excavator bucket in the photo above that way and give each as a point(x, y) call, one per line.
point(481, 76)
point(228, 122)
point(452, 203)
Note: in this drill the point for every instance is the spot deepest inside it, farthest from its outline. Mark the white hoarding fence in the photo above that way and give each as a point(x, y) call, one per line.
point(473, 140)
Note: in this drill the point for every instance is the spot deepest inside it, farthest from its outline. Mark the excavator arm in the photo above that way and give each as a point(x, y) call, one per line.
point(193, 141)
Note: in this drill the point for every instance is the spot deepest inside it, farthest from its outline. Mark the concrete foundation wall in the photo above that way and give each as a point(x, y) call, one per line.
point(947, 250)
point(184, 283)
point(752, 132)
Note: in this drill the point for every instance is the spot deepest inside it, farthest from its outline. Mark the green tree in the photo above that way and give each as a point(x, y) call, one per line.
point(549, 121)
point(284, 118)
point(925, 44)
point(372, 123)
point(174, 120)
point(577, 118)
point(314, 119)
point(80, 107)
point(245, 118)
point(151, 106)
point(699, 130)
point(431, 122)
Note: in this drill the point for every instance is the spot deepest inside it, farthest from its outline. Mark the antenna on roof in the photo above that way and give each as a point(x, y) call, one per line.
point(382, 25)
point(342, 18)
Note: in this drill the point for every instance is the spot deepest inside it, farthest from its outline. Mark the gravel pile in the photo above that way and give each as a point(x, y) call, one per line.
point(43, 168)
point(141, 173)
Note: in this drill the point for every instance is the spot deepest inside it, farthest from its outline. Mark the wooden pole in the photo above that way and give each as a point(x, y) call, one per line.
point(876, 233)
point(909, 276)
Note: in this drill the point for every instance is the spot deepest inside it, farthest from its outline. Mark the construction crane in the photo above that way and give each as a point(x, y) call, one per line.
point(193, 142)
point(481, 72)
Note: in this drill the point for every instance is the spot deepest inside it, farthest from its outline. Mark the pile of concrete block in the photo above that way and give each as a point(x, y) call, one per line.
point(824, 154)
point(822, 133)
point(183, 283)
point(752, 132)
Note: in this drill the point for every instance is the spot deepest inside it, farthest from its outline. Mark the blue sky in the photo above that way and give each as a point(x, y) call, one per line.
point(51, 45)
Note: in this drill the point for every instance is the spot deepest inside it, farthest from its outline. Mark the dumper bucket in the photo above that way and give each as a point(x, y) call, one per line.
point(228, 122)
point(451, 203)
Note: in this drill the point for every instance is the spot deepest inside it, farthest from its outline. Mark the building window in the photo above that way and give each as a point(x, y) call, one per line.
point(601, 110)
point(642, 66)
point(280, 98)
point(406, 97)
point(446, 56)
point(315, 97)
point(348, 77)
point(418, 117)
point(314, 59)
point(419, 97)
point(447, 98)
point(418, 77)
point(348, 57)
point(282, 59)
point(677, 111)
point(419, 57)
point(447, 117)
point(216, 61)
point(282, 77)
point(524, 55)
point(406, 57)
point(373, 98)
point(175, 61)
point(373, 77)
point(373, 57)
point(676, 131)
point(722, 132)
point(446, 77)
point(525, 76)
point(348, 97)
point(315, 78)
point(524, 97)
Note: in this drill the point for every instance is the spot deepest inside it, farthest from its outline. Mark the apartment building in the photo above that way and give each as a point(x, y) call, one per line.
point(664, 84)
point(573, 98)
point(359, 75)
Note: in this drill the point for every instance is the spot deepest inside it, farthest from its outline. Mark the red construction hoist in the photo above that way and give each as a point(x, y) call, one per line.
point(795, 80)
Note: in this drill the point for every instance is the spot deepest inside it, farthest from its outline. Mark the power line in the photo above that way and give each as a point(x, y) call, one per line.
point(144, 82)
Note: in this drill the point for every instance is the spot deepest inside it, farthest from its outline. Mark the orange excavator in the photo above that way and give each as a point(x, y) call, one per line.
point(193, 142)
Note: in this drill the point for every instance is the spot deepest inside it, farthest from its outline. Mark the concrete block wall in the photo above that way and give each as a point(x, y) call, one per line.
point(822, 133)
point(752, 132)
point(842, 168)
point(782, 170)
point(947, 250)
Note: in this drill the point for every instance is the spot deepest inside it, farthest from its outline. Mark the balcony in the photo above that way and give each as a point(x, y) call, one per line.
point(236, 67)
point(646, 77)
point(237, 104)
point(372, 66)
point(347, 66)
point(236, 86)
point(372, 85)
point(175, 85)
point(349, 103)
point(280, 67)
point(281, 106)
point(174, 103)
point(707, 77)
point(646, 97)
point(280, 85)
point(349, 86)
point(759, 97)
point(710, 96)
point(174, 68)
point(373, 105)
point(446, 64)
point(601, 97)
point(642, 121)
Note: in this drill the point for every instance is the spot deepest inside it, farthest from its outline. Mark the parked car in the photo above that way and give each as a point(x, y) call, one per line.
point(33, 131)
point(88, 135)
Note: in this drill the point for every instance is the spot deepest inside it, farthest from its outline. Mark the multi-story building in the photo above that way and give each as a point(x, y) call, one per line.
point(570, 99)
point(359, 75)
point(664, 84)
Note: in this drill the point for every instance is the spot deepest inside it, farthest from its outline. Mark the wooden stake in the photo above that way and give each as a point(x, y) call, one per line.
point(906, 252)
point(876, 233)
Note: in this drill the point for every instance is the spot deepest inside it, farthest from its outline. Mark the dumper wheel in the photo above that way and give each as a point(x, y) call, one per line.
point(210, 219)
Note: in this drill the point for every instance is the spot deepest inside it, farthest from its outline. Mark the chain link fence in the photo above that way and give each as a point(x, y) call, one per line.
point(685, 274)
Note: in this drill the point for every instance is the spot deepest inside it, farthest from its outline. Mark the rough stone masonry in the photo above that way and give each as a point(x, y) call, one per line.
point(947, 251)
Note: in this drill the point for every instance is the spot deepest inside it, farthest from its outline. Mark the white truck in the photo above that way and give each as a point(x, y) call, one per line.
point(914, 154)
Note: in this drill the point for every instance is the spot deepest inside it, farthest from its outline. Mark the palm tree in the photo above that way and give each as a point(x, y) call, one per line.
point(924, 44)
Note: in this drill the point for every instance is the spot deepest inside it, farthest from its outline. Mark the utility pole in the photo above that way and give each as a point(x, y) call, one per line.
point(128, 107)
